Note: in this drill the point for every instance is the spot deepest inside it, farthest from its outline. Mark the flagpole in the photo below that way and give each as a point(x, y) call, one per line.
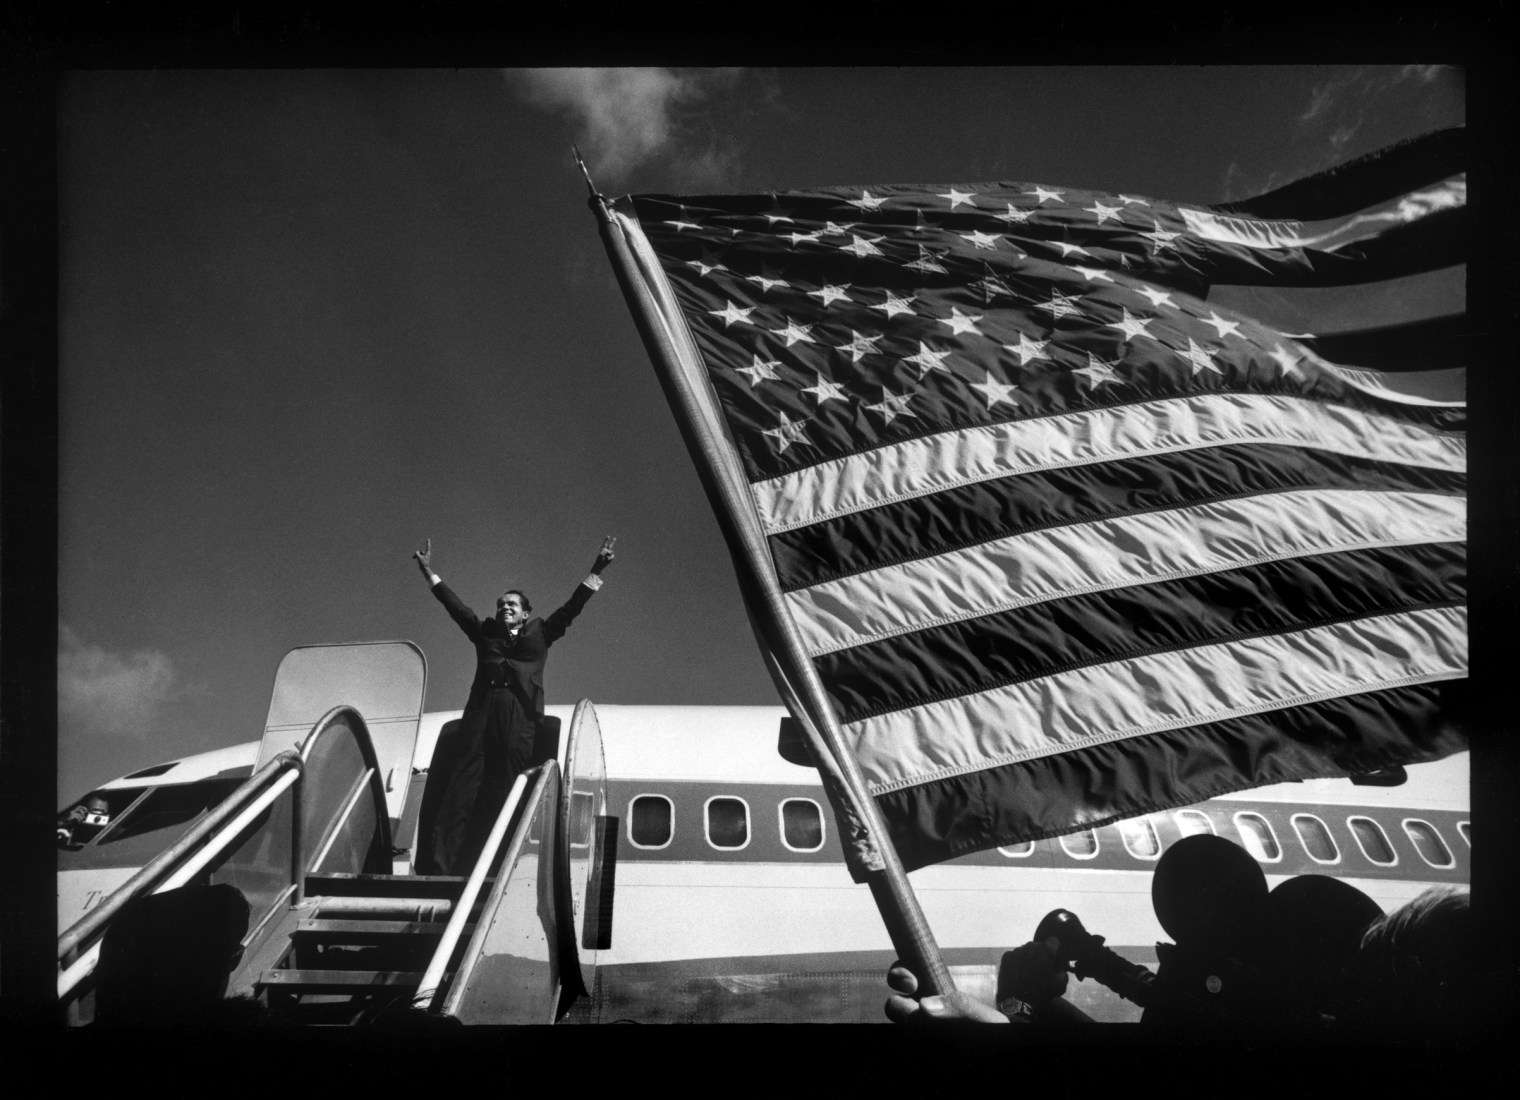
point(893, 894)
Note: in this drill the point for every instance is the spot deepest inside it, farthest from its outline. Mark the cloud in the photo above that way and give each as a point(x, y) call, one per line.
point(115, 694)
point(626, 117)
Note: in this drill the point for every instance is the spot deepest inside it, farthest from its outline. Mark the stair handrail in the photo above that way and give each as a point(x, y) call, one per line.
point(430, 986)
point(548, 775)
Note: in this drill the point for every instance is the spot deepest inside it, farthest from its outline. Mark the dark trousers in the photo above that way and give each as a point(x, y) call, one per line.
point(471, 772)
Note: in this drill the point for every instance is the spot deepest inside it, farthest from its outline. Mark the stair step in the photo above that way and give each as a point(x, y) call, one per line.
point(389, 886)
point(338, 981)
point(317, 928)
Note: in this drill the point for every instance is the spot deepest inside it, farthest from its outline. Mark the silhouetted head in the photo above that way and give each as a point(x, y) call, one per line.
point(1314, 929)
point(1208, 893)
point(1420, 959)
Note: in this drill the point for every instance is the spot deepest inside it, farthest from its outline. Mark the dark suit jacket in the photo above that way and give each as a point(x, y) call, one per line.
point(517, 662)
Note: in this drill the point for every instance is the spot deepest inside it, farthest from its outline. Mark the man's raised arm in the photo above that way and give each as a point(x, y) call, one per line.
point(467, 619)
point(556, 624)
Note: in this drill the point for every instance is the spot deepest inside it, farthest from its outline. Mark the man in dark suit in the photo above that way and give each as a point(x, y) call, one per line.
point(473, 765)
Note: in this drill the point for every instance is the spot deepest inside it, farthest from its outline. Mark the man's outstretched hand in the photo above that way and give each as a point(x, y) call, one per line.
point(902, 1008)
point(425, 559)
point(605, 555)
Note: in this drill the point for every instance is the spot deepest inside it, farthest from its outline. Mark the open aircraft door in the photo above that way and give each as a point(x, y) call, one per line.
point(587, 848)
point(384, 681)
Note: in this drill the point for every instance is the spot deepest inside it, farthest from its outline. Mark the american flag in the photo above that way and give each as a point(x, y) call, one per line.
point(1064, 541)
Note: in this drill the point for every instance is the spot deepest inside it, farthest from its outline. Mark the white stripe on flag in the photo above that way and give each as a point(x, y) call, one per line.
point(918, 467)
point(1110, 702)
point(1116, 553)
point(1329, 234)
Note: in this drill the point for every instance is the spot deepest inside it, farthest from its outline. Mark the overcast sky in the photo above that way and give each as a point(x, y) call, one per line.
point(312, 318)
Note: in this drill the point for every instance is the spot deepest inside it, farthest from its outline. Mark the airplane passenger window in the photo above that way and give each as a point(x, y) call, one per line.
point(1372, 841)
point(1428, 842)
point(1465, 828)
point(727, 822)
point(1140, 838)
point(801, 825)
point(650, 821)
point(1194, 823)
point(1018, 851)
point(1083, 845)
point(1257, 836)
point(1315, 836)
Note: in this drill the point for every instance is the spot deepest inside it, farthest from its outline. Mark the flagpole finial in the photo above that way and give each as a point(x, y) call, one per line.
point(575, 149)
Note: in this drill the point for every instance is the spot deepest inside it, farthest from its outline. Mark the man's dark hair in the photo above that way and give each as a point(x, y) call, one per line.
point(518, 592)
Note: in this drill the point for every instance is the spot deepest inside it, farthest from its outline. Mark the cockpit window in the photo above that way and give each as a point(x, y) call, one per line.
point(92, 815)
point(167, 807)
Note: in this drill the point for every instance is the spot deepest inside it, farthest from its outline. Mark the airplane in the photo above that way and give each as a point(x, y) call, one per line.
point(663, 864)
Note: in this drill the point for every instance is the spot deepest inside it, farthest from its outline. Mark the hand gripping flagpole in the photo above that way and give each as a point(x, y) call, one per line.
point(727, 491)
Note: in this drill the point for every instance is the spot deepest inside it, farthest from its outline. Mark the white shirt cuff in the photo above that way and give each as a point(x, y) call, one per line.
point(434, 579)
point(592, 581)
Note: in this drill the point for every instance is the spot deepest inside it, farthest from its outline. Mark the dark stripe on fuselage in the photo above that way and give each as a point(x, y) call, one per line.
point(967, 515)
point(688, 841)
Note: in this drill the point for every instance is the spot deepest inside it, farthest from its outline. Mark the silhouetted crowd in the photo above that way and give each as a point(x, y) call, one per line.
point(1313, 956)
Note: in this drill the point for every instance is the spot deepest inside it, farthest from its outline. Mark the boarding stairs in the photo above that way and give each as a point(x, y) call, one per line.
point(359, 945)
point(335, 937)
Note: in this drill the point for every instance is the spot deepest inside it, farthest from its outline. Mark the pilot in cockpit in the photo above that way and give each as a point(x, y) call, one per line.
point(84, 821)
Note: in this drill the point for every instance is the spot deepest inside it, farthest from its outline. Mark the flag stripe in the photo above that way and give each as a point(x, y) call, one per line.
point(924, 526)
point(1088, 787)
point(975, 655)
point(1130, 698)
point(1329, 234)
point(1138, 549)
point(933, 463)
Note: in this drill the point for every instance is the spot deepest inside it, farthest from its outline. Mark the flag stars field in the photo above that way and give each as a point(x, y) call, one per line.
point(895, 305)
point(1200, 358)
point(1060, 305)
point(1221, 326)
point(1097, 372)
point(787, 432)
point(961, 323)
point(892, 405)
point(863, 247)
point(1285, 359)
point(761, 370)
point(732, 314)
point(994, 391)
point(860, 346)
point(927, 359)
point(1131, 326)
point(828, 295)
point(794, 333)
point(1027, 349)
point(825, 390)
point(958, 198)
